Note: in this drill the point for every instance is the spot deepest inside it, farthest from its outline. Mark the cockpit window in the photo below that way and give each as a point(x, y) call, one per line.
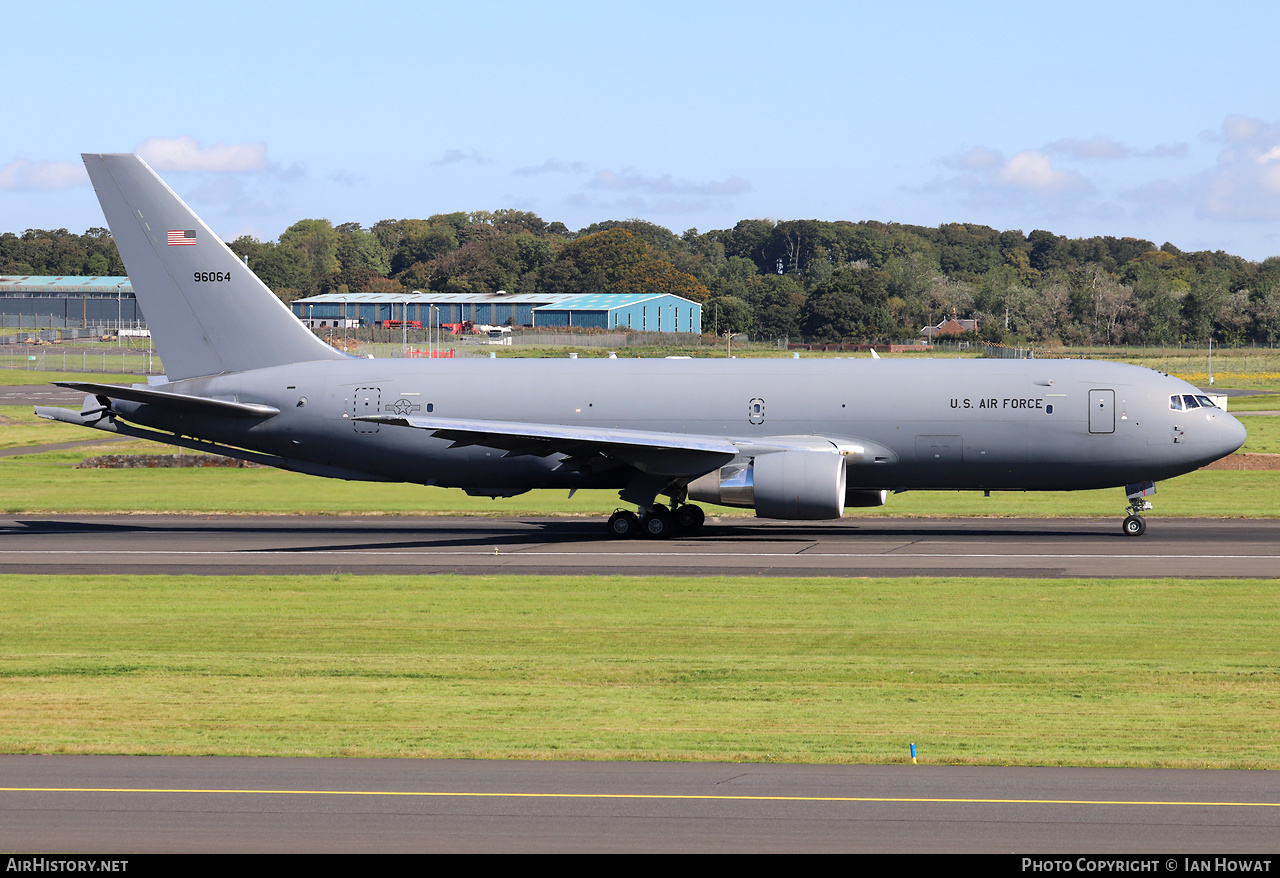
point(1190, 401)
point(1205, 402)
point(1175, 403)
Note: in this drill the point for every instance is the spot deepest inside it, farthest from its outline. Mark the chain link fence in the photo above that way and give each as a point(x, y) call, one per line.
point(123, 360)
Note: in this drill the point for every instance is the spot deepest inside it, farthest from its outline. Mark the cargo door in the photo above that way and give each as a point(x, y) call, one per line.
point(940, 461)
point(364, 401)
point(1102, 411)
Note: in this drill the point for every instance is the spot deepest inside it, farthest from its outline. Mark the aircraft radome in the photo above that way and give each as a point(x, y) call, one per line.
point(789, 438)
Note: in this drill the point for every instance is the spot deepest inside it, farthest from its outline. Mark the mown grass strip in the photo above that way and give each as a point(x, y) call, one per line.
point(982, 671)
point(49, 484)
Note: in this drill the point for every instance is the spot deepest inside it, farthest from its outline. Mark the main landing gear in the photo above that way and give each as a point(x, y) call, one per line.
point(658, 523)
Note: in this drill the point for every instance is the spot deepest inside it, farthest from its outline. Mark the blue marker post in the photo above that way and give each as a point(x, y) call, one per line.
point(913, 754)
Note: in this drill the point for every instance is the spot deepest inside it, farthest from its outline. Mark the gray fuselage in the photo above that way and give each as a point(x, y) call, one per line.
point(925, 423)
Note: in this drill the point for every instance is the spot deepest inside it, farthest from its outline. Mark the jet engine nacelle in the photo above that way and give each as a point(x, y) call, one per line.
point(782, 484)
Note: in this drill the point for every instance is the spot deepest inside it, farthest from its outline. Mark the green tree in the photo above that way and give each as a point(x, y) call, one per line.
point(598, 261)
point(723, 314)
point(750, 240)
point(414, 241)
point(283, 270)
point(852, 304)
point(317, 240)
point(662, 240)
point(655, 277)
point(776, 301)
point(1266, 307)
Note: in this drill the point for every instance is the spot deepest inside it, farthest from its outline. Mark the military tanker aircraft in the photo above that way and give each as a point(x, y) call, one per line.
point(789, 438)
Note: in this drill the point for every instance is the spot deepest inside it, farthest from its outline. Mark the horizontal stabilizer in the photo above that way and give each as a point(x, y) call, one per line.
point(191, 404)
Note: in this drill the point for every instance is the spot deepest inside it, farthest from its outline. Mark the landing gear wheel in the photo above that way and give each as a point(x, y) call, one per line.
point(689, 518)
point(623, 524)
point(1134, 526)
point(658, 524)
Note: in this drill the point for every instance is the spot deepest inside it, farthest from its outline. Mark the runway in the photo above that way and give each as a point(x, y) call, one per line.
point(105, 804)
point(110, 805)
point(731, 546)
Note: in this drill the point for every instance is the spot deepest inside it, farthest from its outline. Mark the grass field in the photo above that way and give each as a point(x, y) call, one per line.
point(1246, 368)
point(1258, 403)
point(22, 377)
point(973, 671)
point(983, 671)
point(49, 484)
point(1264, 434)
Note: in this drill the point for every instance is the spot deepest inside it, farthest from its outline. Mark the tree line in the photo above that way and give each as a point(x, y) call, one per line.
point(826, 281)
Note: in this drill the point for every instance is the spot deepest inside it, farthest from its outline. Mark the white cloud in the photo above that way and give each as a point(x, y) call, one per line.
point(21, 175)
point(344, 177)
point(552, 166)
point(639, 194)
point(992, 180)
point(185, 154)
point(980, 158)
point(1157, 196)
point(1033, 171)
point(1106, 148)
point(1167, 151)
point(234, 198)
point(1244, 184)
point(1093, 148)
point(453, 156)
point(638, 205)
point(629, 180)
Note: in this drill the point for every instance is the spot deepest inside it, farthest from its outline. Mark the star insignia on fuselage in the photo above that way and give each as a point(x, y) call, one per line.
point(403, 407)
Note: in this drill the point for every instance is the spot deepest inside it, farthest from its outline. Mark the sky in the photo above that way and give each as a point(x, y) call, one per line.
point(1150, 120)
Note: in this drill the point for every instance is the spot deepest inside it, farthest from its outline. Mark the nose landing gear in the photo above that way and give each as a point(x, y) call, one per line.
point(1134, 524)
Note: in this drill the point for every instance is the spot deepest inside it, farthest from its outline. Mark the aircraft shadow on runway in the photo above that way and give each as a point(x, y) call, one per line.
point(517, 533)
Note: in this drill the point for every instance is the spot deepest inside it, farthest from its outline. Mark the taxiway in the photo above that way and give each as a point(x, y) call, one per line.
point(114, 804)
point(731, 546)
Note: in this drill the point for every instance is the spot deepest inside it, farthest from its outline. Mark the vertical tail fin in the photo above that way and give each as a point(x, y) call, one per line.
point(207, 311)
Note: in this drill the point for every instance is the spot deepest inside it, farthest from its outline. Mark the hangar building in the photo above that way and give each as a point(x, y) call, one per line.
point(67, 302)
point(646, 313)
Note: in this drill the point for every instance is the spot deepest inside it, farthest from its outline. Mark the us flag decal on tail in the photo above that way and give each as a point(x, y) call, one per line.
point(179, 237)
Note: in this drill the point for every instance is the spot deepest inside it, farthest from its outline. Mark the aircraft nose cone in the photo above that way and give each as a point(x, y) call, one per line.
point(1231, 433)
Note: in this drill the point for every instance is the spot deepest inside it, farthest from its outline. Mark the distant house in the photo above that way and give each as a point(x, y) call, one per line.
point(950, 326)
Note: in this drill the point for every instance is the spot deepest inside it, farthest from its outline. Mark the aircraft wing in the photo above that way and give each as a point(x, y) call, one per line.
point(673, 454)
point(659, 453)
